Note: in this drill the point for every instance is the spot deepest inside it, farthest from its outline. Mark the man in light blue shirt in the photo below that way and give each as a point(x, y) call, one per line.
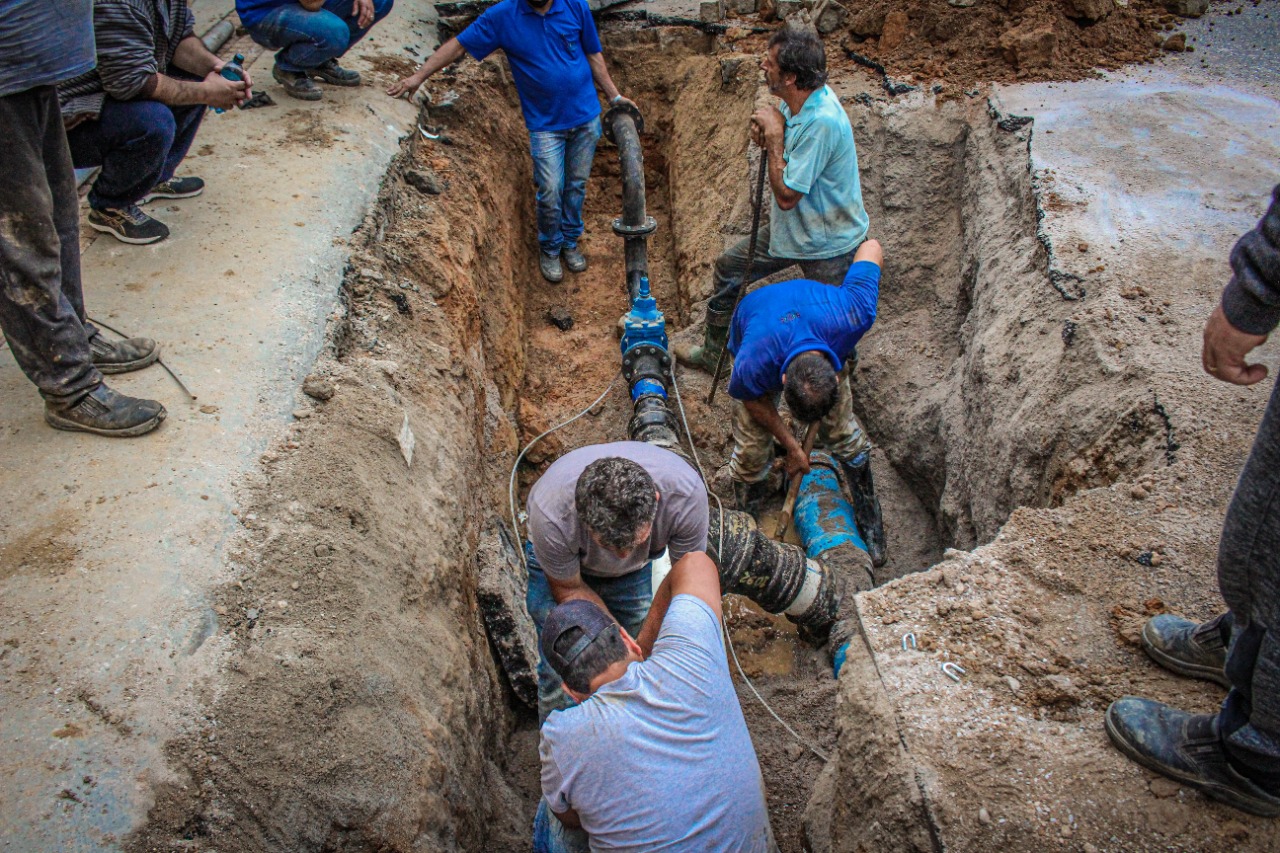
point(656, 755)
point(555, 56)
point(817, 219)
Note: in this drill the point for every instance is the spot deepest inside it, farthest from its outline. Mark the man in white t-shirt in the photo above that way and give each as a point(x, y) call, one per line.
point(656, 754)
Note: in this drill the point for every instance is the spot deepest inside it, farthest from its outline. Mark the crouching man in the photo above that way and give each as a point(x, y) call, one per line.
point(797, 339)
point(597, 518)
point(656, 755)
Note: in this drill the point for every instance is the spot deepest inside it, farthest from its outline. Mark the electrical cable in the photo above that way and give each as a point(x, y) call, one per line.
point(511, 481)
point(724, 622)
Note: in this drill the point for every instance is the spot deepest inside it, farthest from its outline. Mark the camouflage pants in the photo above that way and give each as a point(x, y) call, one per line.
point(41, 303)
point(840, 433)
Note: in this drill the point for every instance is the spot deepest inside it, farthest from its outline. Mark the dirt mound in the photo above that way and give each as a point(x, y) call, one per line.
point(965, 42)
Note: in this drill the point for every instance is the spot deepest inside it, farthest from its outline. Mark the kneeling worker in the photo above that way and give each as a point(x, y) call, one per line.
point(656, 755)
point(797, 339)
point(597, 518)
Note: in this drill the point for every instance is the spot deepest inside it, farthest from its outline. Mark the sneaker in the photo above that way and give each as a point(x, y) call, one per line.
point(574, 260)
point(550, 267)
point(104, 412)
point(1186, 748)
point(334, 74)
point(175, 188)
point(128, 224)
point(297, 84)
point(122, 356)
point(1180, 645)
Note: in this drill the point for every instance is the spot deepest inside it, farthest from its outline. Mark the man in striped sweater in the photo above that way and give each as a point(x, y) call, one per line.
point(137, 113)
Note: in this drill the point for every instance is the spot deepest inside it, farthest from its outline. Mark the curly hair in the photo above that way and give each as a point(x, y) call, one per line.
point(800, 52)
point(615, 499)
point(810, 386)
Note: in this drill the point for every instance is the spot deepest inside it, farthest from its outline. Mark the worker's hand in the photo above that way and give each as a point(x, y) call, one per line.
point(408, 84)
point(222, 93)
point(623, 99)
point(796, 463)
point(362, 11)
point(767, 125)
point(248, 79)
point(1225, 347)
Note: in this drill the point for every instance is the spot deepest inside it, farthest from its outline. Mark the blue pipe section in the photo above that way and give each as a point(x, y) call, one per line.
point(823, 517)
point(648, 386)
point(644, 323)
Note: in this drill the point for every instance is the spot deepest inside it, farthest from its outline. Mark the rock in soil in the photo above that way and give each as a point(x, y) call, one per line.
point(423, 182)
point(318, 388)
point(560, 317)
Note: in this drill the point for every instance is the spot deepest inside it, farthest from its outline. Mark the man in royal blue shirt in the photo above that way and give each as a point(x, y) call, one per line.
point(797, 339)
point(555, 55)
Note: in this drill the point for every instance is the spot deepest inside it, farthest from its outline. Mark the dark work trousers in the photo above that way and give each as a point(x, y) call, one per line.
point(732, 265)
point(1249, 577)
point(138, 144)
point(41, 303)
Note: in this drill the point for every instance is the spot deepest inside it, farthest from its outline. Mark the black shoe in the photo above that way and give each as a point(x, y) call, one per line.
point(1186, 748)
point(104, 412)
point(574, 260)
point(128, 224)
point(334, 74)
point(175, 188)
point(297, 84)
point(1187, 648)
point(866, 507)
point(122, 356)
point(550, 267)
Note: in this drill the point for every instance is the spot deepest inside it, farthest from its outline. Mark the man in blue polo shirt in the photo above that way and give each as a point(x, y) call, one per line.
point(555, 55)
point(817, 219)
point(796, 339)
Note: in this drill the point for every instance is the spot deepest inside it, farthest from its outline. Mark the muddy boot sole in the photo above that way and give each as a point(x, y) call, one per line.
point(57, 421)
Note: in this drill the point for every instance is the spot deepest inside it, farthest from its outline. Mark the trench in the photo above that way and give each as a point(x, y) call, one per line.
point(970, 386)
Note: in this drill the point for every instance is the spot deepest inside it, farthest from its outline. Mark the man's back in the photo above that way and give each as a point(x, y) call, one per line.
point(661, 759)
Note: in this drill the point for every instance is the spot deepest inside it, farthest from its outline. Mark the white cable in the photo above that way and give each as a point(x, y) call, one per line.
point(511, 481)
point(724, 622)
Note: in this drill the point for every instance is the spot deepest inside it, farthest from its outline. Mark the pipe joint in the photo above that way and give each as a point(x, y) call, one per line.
point(645, 228)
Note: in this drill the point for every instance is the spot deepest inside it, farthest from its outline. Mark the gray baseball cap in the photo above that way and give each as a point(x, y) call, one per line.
point(570, 630)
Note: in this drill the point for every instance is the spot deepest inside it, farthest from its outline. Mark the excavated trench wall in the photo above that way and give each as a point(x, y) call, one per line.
point(360, 707)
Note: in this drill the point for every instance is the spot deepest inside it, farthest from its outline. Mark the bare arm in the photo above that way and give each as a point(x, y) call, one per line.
point(214, 90)
point(311, 5)
point(1225, 348)
point(600, 73)
point(447, 54)
point(767, 127)
point(765, 413)
point(569, 818)
point(870, 250)
point(191, 55)
point(567, 590)
point(695, 574)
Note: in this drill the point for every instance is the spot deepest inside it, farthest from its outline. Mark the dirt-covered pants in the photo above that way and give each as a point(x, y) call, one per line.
point(731, 267)
point(1249, 577)
point(840, 433)
point(41, 303)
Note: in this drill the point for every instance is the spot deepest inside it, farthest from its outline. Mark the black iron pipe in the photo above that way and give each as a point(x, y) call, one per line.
point(623, 125)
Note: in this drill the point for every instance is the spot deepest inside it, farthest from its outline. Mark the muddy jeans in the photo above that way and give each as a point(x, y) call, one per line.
point(1249, 577)
point(840, 433)
point(731, 266)
point(561, 166)
point(41, 303)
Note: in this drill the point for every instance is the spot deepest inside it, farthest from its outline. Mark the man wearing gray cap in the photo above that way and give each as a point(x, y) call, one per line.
point(656, 754)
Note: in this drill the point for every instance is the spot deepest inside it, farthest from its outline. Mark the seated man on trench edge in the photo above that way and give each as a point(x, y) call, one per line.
point(137, 113)
point(42, 310)
point(597, 519)
point(555, 56)
point(656, 755)
point(816, 217)
point(1233, 755)
point(309, 37)
point(797, 340)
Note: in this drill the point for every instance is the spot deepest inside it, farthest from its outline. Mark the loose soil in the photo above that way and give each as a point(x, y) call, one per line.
point(361, 708)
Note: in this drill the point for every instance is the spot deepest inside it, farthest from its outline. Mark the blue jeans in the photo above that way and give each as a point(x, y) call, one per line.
point(561, 166)
point(138, 144)
point(552, 836)
point(307, 40)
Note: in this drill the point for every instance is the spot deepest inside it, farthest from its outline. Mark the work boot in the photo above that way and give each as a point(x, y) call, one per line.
point(128, 224)
point(550, 267)
point(104, 412)
point(1186, 748)
point(297, 84)
point(175, 188)
point(122, 356)
point(1187, 648)
point(750, 497)
point(866, 506)
point(715, 336)
point(574, 260)
point(334, 74)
